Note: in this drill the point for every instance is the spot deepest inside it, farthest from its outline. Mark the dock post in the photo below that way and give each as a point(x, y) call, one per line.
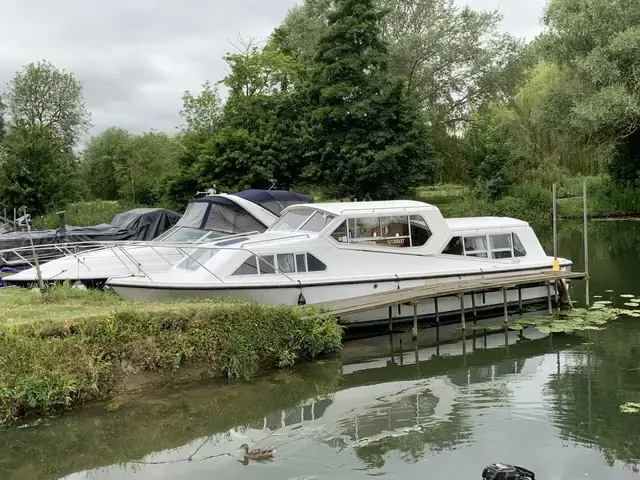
point(549, 298)
point(435, 306)
point(586, 240)
point(520, 300)
point(414, 333)
point(464, 326)
point(555, 225)
point(473, 304)
point(391, 318)
point(505, 305)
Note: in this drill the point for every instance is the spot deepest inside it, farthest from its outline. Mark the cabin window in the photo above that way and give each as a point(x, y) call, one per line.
point(314, 264)
point(475, 246)
point(501, 246)
point(301, 262)
point(292, 220)
point(454, 247)
point(249, 267)
point(266, 264)
point(388, 231)
point(317, 222)
point(518, 249)
point(286, 262)
point(197, 258)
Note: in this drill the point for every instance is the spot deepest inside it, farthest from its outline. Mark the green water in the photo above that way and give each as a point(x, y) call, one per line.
point(387, 408)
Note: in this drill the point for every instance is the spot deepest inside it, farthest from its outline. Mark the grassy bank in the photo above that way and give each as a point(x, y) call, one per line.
point(532, 201)
point(67, 346)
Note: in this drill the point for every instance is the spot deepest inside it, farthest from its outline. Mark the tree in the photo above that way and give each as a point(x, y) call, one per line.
point(202, 112)
point(364, 139)
point(37, 169)
point(452, 59)
point(597, 44)
point(41, 96)
point(99, 160)
point(2, 120)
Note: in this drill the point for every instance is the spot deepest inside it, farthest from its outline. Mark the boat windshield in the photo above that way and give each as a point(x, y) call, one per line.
point(178, 234)
point(303, 220)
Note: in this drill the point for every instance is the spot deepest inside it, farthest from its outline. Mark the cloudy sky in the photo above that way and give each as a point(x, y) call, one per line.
point(136, 57)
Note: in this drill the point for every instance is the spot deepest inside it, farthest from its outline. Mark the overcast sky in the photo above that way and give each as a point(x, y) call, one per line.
point(136, 57)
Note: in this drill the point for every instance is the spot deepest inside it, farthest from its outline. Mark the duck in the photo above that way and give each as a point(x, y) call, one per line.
point(257, 454)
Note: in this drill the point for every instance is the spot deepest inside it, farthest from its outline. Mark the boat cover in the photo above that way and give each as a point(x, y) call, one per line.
point(221, 213)
point(139, 224)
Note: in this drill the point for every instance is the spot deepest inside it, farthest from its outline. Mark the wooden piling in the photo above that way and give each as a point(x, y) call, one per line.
point(505, 305)
point(435, 306)
point(464, 326)
point(520, 300)
point(473, 305)
point(391, 319)
point(414, 332)
point(549, 298)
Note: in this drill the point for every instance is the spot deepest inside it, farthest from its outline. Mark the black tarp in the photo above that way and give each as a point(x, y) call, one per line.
point(140, 224)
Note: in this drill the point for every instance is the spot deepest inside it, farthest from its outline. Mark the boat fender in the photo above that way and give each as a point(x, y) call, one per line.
point(301, 299)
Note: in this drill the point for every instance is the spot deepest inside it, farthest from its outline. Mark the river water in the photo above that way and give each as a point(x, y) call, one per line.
point(387, 408)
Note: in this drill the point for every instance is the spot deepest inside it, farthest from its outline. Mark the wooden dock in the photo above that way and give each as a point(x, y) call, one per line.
point(448, 288)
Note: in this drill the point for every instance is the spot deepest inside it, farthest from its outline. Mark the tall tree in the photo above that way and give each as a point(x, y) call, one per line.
point(365, 139)
point(43, 96)
point(597, 44)
point(202, 112)
point(37, 170)
point(2, 120)
point(99, 160)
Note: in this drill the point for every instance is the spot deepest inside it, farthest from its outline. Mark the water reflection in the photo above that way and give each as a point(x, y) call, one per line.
point(390, 407)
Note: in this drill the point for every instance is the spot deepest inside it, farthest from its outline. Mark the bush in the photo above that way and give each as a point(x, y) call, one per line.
point(49, 364)
point(83, 214)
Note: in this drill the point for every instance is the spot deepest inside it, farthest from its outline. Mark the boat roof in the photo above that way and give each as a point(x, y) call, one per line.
point(343, 208)
point(474, 223)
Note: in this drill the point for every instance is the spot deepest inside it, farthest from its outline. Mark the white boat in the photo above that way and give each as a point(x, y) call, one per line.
point(317, 253)
point(206, 218)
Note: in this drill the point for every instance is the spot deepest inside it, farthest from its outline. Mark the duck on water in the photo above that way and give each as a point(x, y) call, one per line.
point(317, 253)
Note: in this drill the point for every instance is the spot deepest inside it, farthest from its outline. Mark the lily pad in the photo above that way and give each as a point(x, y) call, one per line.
point(597, 296)
point(627, 295)
point(631, 304)
point(602, 302)
point(609, 291)
point(630, 407)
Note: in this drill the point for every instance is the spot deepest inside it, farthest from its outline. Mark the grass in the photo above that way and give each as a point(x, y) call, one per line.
point(67, 347)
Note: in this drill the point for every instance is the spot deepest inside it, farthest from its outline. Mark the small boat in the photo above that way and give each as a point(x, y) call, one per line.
point(209, 217)
point(317, 253)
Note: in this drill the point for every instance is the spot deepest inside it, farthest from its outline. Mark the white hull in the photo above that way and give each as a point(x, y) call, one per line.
point(317, 295)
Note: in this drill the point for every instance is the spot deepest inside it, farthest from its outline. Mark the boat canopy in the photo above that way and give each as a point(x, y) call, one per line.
point(225, 213)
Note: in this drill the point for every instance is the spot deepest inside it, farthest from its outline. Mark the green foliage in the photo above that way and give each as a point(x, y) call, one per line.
point(493, 150)
point(83, 214)
point(365, 139)
point(120, 165)
point(43, 97)
point(202, 112)
point(596, 43)
point(37, 170)
point(47, 364)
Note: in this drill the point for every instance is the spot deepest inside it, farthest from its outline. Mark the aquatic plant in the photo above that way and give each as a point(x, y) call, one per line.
point(630, 407)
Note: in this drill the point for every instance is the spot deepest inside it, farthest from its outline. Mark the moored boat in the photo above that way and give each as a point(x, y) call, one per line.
point(318, 253)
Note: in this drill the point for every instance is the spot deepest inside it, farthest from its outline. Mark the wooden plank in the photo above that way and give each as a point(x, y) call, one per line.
point(443, 289)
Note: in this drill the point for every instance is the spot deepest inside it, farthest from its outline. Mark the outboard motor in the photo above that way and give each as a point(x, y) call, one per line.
point(501, 471)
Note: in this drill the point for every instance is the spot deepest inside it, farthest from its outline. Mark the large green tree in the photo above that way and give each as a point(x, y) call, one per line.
point(43, 96)
point(365, 139)
point(118, 165)
point(46, 116)
point(37, 169)
point(597, 44)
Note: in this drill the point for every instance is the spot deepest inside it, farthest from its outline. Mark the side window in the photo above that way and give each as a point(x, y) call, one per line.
point(454, 247)
point(518, 249)
point(314, 264)
point(501, 246)
point(286, 262)
point(420, 232)
point(266, 264)
point(340, 233)
point(301, 262)
point(476, 246)
point(249, 267)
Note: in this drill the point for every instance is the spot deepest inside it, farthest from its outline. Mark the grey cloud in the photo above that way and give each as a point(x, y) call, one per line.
point(137, 57)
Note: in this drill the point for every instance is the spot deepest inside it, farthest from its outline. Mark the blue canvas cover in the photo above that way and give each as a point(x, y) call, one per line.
point(274, 200)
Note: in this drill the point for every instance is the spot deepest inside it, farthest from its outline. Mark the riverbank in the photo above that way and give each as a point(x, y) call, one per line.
point(67, 347)
point(532, 201)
